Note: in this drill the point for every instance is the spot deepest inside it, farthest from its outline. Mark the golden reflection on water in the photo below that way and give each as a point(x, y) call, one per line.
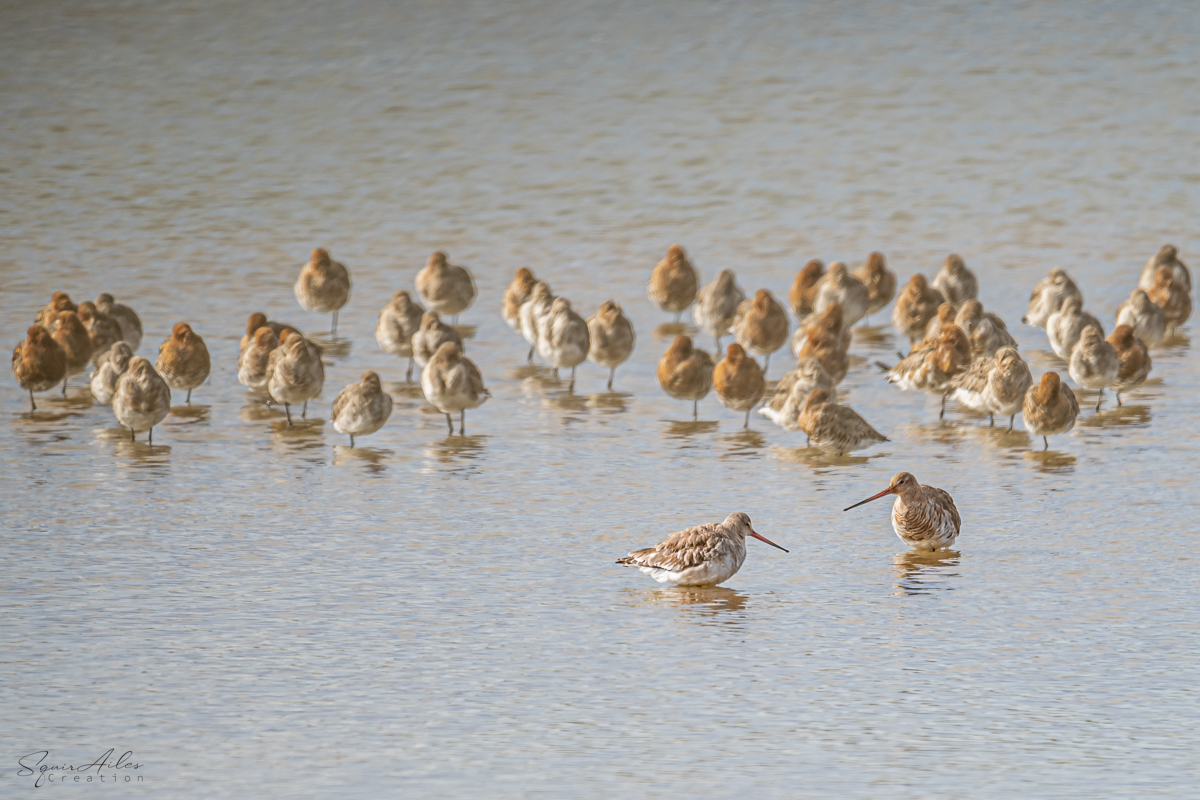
point(373, 460)
point(922, 572)
point(462, 453)
point(1051, 461)
point(707, 603)
point(190, 414)
point(667, 331)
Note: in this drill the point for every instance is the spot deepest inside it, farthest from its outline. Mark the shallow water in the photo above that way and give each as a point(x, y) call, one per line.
point(254, 609)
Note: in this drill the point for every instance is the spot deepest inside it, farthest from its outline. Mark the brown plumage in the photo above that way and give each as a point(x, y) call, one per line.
point(1172, 297)
point(1133, 359)
point(956, 283)
point(986, 330)
point(142, 399)
point(446, 288)
point(930, 367)
point(738, 381)
point(805, 287)
point(1050, 408)
point(253, 362)
point(295, 372)
point(73, 338)
point(610, 338)
point(1167, 256)
point(38, 363)
point(827, 339)
point(1049, 295)
point(451, 382)
point(432, 334)
point(838, 429)
point(673, 282)
point(47, 316)
point(685, 372)
point(125, 317)
point(361, 408)
point(924, 517)
point(183, 360)
point(761, 325)
point(704, 555)
point(917, 304)
point(398, 321)
point(102, 329)
point(323, 285)
point(879, 280)
point(791, 392)
point(946, 314)
point(515, 296)
point(259, 320)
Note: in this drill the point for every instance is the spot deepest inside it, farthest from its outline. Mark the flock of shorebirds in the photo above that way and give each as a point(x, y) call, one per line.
point(958, 351)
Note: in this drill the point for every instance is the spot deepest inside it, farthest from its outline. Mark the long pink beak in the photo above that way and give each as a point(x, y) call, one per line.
point(762, 538)
point(869, 499)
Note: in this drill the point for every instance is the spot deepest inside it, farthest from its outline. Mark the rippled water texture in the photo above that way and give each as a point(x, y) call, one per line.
point(256, 610)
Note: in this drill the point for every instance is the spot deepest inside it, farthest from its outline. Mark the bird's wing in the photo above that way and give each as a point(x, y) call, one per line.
point(679, 551)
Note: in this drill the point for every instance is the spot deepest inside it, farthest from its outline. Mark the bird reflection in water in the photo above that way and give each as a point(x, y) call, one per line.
point(461, 453)
point(669, 330)
point(998, 437)
point(941, 432)
point(743, 442)
point(332, 346)
point(189, 415)
point(922, 571)
point(257, 410)
point(303, 435)
point(151, 460)
point(687, 429)
point(1115, 416)
point(820, 460)
point(709, 603)
point(401, 391)
point(609, 402)
point(1051, 462)
point(466, 331)
point(372, 459)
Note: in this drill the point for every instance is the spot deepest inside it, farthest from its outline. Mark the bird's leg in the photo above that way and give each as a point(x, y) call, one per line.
point(530, 359)
point(288, 410)
point(747, 425)
point(943, 414)
point(1099, 398)
point(189, 397)
point(304, 411)
point(571, 388)
point(901, 355)
point(611, 374)
point(64, 387)
point(1118, 399)
point(992, 420)
point(678, 316)
point(766, 365)
point(1010, 423)
point(807, 440)
point(462, 422)
point(455, 320)
point(333, 330)
point(1046, 446)
point(150, 436)
point(352, 440)
point(32, 404)
point(556, 373)
point(695, 410)
point(132, 435)
point(408, 377)
point(450, 422)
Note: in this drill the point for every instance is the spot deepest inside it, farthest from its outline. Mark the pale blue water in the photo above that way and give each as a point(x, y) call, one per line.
point(257, 611)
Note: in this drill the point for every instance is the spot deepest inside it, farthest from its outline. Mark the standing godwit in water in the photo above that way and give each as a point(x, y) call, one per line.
point(1093, 362)
point(104, 379)
point(447, 289)
point(38, 363)
point(515, 296)
point(1048, 296)
point(917, 304)
point(183, 360)
point(398, 321)
point(295, 373)
point(531, 313)
point(738, 381)
point(994, 385)
point(673, 282)
point(761, 326)
point(1133, 361)
point(685, 372)
point(361, 408)
point(452, 382)
point(880, 282)
point(610, 338)
point(701, 556)
point(1065, 326)
point(986, 330)
point(716, 305)
point(825, 337)
point(252, 363)
point(805, 287)
point(73, 338)
point(323, 285)
point(956, 283)
point(834, 428)
point(1167, 256)
point(431, 335)
point(126, 317)
point(1148, 320)
point(142, 399)
point(844, 289)
point(563, 338)
point(1050, 408)
point(924, 517)
point(787, 401)
point(1172, 296)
